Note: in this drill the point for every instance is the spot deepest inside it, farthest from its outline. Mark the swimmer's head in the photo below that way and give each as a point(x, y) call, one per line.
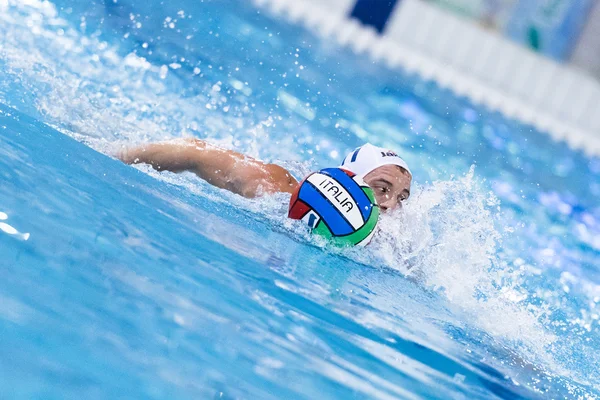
point(384, 171)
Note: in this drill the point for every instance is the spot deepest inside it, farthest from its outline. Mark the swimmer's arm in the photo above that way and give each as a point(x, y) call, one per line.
point(226, 169)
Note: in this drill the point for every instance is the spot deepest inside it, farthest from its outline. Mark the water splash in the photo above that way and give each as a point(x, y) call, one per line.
point(85, 88)
point(448, 237)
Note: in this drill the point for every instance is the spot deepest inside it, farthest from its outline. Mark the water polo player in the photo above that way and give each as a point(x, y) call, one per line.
point(385, 174)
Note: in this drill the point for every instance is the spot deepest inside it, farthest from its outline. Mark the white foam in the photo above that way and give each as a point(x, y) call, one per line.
point(84, 88)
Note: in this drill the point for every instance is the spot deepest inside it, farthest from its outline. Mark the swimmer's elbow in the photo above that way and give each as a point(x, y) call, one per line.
point(280, 179)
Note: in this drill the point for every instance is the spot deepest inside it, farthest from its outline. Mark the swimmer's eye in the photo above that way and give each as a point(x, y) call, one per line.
point(386, 192)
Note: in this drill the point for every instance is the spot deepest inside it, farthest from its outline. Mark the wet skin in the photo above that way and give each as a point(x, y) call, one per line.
point(391, 185)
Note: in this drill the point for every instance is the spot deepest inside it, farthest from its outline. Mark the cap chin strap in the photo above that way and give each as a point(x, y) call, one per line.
point(366, 158)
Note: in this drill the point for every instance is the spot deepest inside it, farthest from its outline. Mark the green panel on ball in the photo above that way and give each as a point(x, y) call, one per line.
point(322, 230)
point(370, 194)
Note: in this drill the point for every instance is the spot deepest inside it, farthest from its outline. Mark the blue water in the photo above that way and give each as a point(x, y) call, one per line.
point(121, 282)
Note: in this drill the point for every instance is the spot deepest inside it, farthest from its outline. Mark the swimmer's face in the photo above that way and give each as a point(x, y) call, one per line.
point(391, 185)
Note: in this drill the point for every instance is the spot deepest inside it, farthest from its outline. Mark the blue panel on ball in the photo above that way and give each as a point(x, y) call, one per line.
point(362, 201)
point(329, 214)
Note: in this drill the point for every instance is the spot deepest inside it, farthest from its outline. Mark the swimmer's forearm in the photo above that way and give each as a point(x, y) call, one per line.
point(223, 168)
point(210, 163)
point(166, 156)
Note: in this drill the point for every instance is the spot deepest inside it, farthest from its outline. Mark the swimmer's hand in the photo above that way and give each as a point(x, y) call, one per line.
point(223, 168)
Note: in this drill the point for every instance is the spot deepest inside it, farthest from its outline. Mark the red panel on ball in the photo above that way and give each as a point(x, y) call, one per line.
point(349, 173)
point(298, 210)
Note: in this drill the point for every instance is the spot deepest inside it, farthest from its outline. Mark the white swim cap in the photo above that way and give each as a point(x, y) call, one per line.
point(368, 157)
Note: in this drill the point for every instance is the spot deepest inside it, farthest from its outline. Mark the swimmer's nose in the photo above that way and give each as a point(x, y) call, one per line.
point(388, 207)
point(391, 204)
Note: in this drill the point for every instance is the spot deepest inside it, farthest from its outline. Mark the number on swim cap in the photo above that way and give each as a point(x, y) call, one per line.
point(337, 205)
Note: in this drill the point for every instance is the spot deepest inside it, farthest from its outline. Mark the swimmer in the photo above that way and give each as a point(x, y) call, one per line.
point(382, 169)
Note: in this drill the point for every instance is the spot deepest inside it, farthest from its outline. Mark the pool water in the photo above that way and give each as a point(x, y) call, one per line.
point(121, 282)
